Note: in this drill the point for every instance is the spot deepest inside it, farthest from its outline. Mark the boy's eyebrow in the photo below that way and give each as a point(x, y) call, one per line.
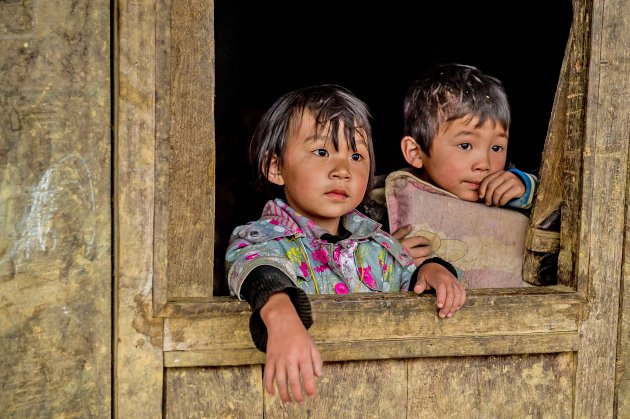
point(467, 132)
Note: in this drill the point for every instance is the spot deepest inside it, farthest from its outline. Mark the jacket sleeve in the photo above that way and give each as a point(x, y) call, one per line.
point(527, 199)
point(250, 248)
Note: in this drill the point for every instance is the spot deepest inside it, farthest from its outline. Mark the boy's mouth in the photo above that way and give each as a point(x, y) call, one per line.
point(472, 185)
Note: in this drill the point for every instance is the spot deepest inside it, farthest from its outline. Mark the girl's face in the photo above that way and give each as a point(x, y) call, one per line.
point(462, 155)
point(320, 182)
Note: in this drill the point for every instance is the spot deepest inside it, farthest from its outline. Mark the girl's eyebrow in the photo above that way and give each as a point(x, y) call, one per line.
point(317, 138)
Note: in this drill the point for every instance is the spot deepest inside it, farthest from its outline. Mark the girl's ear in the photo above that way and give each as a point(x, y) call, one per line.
point(411, 151)
point(274, 175)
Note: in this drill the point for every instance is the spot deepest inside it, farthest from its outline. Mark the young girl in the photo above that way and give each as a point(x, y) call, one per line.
point(316, 144)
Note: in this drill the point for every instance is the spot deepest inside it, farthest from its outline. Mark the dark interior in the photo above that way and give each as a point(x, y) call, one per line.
point(265, 49)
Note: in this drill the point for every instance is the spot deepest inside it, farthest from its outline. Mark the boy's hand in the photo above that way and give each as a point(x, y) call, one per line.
point(419, 247)
point(450, 294)
point(499, 187)
point(293, 361)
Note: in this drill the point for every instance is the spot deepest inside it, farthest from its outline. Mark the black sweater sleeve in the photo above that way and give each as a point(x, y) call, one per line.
point(262, 283)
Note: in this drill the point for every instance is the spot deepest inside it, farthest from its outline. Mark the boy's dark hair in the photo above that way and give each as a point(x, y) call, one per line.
point(331, 105)
point(446, 92)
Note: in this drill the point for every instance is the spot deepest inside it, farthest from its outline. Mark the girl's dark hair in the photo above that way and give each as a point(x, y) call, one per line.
point(446, 92)
point(330, 105)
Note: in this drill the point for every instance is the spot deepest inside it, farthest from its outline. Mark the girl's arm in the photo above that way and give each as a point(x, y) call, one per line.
point(259, 286)
point(293, 361)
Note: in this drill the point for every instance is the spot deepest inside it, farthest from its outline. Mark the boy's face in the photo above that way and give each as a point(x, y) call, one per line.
point(320, 182)
point(462, 155)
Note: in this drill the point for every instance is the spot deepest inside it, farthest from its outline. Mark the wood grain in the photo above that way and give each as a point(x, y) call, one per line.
point(55, 209)
point(138, 352)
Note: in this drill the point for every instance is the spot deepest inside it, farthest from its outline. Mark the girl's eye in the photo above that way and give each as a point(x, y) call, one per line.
point(465, 146)
point(321, 152)
point(497, 148)
point(356, 157)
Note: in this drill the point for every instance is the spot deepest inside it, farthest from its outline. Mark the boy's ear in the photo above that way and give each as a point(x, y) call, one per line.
point(411, 151)
point(274, 175)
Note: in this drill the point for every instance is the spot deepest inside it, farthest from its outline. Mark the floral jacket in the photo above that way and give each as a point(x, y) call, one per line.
point(368, 260)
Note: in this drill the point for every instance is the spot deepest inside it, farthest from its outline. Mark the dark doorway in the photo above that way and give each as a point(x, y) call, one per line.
point(265, 49)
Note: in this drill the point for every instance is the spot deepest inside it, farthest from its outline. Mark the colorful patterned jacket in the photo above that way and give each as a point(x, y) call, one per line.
point(368, 260)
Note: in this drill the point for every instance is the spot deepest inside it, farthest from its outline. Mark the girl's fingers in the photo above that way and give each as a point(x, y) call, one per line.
point(269, 375)
point(293, 374)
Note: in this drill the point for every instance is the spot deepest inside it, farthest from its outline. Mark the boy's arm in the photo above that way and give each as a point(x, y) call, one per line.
point(510, 187)
point(527, 199)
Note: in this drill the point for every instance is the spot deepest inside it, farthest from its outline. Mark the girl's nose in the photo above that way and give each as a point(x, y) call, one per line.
point(340, 169)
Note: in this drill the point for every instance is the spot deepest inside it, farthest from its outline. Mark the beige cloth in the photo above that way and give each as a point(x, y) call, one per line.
point(486, 243)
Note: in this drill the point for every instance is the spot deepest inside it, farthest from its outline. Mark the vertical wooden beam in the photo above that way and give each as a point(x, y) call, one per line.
point(55, 209)
point(605, 172)
point(138, 357)
point(622, 371)
point(190, 212)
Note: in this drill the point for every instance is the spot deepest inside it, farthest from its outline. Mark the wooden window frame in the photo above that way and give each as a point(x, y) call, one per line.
point(203, 330)
point(161, 321)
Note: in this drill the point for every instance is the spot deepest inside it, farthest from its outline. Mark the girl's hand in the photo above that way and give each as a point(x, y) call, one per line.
point(499, 187)
point(293, 361)
point(419, 247)
point(450, 294)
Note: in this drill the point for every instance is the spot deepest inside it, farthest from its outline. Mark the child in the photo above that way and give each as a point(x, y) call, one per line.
point(316, 144)
point(456, 122)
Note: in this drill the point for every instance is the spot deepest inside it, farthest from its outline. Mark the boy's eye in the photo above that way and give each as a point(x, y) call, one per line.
point(321, 152)
point(356, 157)
point(465, 146)
point(497, 148)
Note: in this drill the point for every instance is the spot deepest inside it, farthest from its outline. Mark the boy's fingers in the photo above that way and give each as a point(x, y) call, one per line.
point(402, 232)
point(485, 184)
point(419, 241)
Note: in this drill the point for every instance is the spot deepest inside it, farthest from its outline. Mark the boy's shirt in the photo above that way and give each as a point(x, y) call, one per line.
point(368, 260)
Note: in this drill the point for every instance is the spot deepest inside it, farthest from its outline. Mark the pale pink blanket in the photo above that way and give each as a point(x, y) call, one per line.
point(486, 243)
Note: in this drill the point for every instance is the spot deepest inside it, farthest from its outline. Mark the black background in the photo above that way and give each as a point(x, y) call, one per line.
point(267, 48)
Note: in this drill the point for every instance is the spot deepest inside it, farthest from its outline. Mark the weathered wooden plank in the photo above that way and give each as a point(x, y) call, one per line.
point(162, 152)
point(528, 386)
point(604, 190)
point(539, 242)
point(574, 143)
point(192, 150)
point(227, 392)
point(138, 358)
point(55, 222)
point(352, 390)
point(622, 367)
point(497, 320)
point(337, 350)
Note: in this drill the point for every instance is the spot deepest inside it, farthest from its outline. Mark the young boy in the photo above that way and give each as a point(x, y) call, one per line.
point(456, 121)
point(316, 144)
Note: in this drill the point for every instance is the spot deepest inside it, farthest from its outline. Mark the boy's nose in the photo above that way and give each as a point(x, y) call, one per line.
point(482, 162)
